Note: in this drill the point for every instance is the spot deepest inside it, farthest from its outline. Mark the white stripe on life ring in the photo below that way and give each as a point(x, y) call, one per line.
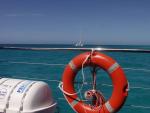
point(109, 107)
point(72, 66)
point(113, 68)
point(74, 102)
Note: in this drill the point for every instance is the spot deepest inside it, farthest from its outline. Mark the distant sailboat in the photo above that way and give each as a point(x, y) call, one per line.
point(79, 44)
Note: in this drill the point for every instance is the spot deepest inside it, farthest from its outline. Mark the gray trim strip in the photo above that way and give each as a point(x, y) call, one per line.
point(109, 107)
point(72, 66)
point(113, 68)
point(74, 102)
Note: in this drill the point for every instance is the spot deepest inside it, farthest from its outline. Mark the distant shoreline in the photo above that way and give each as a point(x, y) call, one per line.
point(85, 44)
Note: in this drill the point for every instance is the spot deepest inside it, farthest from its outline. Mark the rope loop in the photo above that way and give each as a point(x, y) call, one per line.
point(60, 86)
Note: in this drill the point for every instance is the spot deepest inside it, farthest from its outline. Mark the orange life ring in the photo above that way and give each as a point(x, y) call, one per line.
point(116, 73)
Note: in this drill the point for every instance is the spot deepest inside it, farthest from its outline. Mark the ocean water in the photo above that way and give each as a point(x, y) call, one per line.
point(49, 65)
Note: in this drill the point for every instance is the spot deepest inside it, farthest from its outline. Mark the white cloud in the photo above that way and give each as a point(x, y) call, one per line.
point(13, 15)
point(18, 15)
point(37, 14)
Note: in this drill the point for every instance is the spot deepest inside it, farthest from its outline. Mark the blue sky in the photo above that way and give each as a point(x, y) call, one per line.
point(68, 21)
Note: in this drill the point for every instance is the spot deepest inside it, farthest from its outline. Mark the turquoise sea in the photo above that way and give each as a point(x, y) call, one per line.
point(48, 66)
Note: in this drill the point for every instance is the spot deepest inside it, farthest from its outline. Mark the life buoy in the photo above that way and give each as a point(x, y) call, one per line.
point(116, 73)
